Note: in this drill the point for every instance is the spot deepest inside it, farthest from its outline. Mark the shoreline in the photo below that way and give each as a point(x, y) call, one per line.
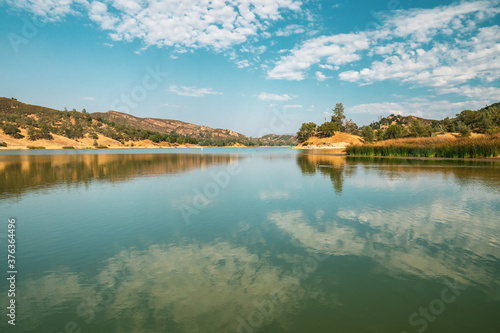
point(127, 147)
point(479, 159)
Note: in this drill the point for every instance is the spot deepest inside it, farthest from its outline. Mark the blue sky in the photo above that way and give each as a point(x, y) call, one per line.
point(253, 66)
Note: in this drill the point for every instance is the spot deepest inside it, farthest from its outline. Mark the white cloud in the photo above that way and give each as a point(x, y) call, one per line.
point(338, 50)
point(242, 63)
point(192, 23)
point(321, 77)
point(492, 93)
point(420, 108)
point(289, 30)
point(263, 96)
point(192, 91)
point(88, 98)
point(442, 47)
point(50, 10)
point(326, 66)
point(292, 106)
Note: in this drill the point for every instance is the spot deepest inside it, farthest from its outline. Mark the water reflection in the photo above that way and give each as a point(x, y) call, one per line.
point(337, 168)
point(463, 172)
point(399, 229)
point(20, 173)
point(334, 167)
point(182, 288)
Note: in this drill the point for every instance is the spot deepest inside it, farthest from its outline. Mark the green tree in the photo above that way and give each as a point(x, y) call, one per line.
point(418, 130)
point(463, 129)
point(156, 137)
point(380, 135)
point(368, 133)
point(339, 117)
point(306, 131)
point(394, 132)
point(351, 127)
point(12, 130)
point(326, 130)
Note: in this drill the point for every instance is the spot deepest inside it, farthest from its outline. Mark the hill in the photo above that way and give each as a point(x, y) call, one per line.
point(405, 121)
point(278, 140)
point(167, 126)
point(24, 125)
point(485, 120)
point(339, 140)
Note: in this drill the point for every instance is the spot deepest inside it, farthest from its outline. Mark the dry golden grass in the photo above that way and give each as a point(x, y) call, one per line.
point(339, 140)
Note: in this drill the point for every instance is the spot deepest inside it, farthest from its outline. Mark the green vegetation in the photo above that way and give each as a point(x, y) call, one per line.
point(35, 147)
point(488, 146)
point(12, 130)
point(339, 117)
point(326, 129)
point(43, 123)
point(368, 134)
point(394, 132)
point(68, 147)
point(3, 144)
point(306, 131)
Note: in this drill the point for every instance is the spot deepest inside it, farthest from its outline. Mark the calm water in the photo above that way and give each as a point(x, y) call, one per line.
point(250, 240)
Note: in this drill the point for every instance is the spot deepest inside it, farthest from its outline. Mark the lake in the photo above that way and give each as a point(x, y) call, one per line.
point(250, 240)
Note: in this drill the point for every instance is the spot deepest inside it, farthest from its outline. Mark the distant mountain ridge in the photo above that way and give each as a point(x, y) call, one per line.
point(168, 126)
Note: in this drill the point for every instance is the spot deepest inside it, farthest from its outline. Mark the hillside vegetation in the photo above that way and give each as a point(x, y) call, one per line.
point(23, 123)
point(469, 134)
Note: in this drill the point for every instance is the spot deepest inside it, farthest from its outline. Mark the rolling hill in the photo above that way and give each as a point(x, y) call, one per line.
point(23, 125)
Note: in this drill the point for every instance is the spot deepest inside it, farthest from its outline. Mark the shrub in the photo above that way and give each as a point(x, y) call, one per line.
point(394, 132)
point(12, 130)
point(306, 131)
point(368, 133)
point(326, 130)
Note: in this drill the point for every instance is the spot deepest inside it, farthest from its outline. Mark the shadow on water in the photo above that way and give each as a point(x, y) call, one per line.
point(21, 173)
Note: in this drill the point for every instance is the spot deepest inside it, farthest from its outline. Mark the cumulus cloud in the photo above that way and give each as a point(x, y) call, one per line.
point(338, 50)
point(438, 47)
point(263, 96)
point(320, 76)
point(192, 23)
point(192, 91)
point(419, 108)
point(291, 29)
point(50, 10)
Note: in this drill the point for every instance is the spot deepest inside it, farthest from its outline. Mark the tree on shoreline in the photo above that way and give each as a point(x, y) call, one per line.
point(368, 134)
point(339, 117)
point(306, 131)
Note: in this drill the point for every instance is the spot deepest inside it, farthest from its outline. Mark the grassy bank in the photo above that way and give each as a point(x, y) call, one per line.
point(487, 146)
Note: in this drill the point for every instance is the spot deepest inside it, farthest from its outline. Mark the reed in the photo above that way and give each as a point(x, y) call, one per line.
point(487, 146)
